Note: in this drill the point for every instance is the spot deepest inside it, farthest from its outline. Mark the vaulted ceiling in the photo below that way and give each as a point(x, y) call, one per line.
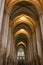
point(24, 14)
point(11, 3)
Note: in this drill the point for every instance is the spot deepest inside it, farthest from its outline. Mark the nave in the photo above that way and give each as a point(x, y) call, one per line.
point(21, 32)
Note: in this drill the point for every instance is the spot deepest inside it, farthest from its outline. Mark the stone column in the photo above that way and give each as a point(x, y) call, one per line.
point(2, 3)
point(5, 30)
point(34, 44)
point(9, 45)
point(34, 48)
point(41, 24)
point(27, 53)
point(13, 49)
point(31, 51)
point(4, 38)
point(38, 39)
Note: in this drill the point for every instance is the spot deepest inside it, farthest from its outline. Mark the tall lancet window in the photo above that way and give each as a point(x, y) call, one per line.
point(20, 54)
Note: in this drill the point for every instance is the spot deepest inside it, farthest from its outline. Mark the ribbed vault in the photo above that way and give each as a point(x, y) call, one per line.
point(24, 17)
point(25, 20)
point(21, 44)
point(21, 30)
point(21, 7)
point(10, 4)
